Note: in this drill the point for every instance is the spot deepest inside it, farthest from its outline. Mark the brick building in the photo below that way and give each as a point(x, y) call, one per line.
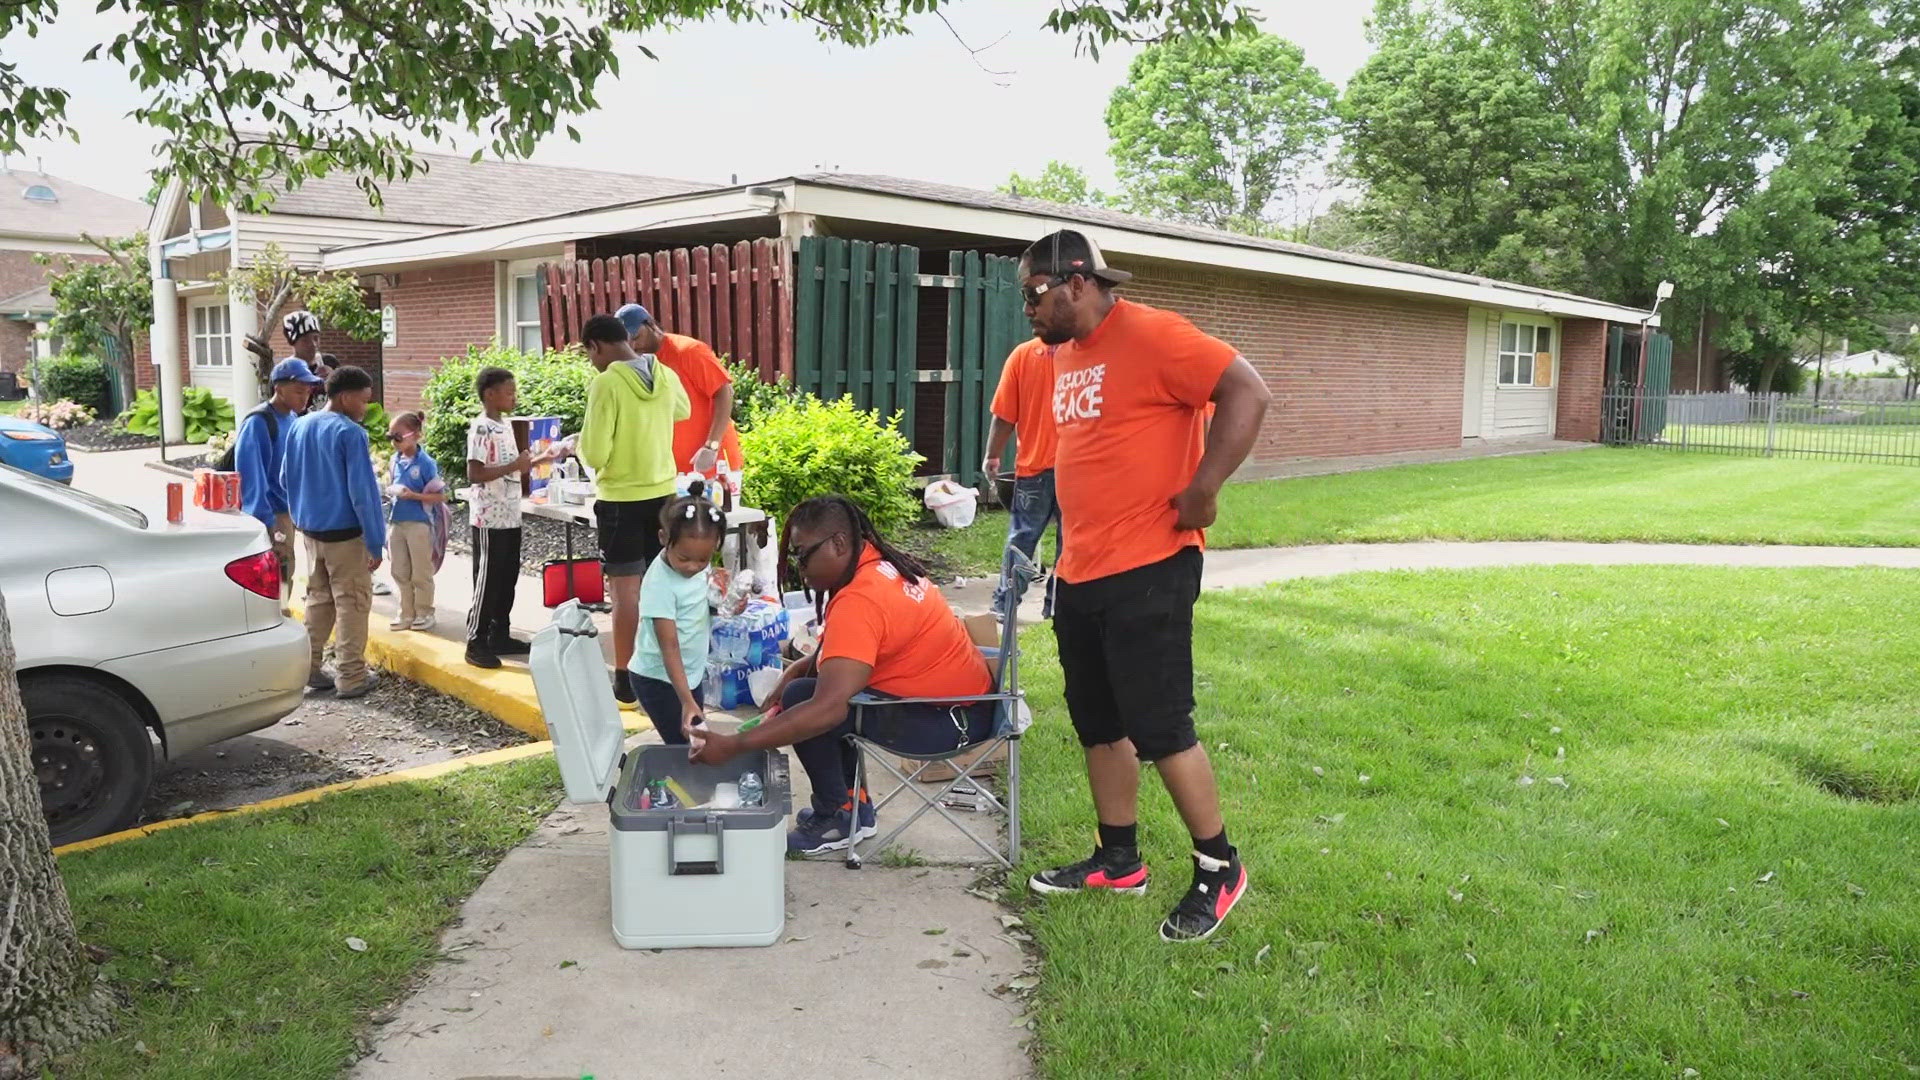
point(1364, 355)
point(46, 215)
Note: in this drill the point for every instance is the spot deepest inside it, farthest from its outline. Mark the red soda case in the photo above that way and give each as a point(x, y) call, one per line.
point(176, 499)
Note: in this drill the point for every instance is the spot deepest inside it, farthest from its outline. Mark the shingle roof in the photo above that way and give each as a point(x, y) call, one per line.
point(75, 209)
point(1087, 215)
point(456, 191)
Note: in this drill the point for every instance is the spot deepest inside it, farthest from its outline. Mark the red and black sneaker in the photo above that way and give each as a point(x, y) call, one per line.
point(1218, 884)
point(1114, 870)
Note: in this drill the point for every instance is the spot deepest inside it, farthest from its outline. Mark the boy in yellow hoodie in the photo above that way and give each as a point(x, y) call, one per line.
point(632, 406)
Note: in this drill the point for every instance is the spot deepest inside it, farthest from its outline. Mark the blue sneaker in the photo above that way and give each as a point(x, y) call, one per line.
point(805, 814)
point(815, 833)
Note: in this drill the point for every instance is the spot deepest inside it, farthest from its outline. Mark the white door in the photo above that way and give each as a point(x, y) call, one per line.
point(1473, 394)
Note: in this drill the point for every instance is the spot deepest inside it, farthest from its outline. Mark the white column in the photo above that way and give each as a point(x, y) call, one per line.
point(164, 343)
point(242, 319)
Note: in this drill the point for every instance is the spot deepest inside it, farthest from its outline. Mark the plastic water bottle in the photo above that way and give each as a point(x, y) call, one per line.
point(751, 791)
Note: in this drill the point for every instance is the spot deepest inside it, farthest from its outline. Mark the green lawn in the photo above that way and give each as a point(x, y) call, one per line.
point(231, 937)
point(1603, 494)
point(12, 408)
point(1713, 869)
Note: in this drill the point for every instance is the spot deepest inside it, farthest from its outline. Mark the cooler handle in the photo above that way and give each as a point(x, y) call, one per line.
point(707, 826)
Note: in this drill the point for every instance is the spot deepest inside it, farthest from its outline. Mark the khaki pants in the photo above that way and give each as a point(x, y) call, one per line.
point(339, 599)
point(410, 543)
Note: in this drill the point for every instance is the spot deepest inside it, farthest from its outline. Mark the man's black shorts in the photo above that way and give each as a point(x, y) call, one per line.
point(1126, 650)
point(629, 535)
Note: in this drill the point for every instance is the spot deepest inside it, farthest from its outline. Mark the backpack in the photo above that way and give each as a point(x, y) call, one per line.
point(265, 408)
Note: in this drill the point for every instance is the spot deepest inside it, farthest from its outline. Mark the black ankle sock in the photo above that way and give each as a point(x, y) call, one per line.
point(1114, 837)
point(1214, 847)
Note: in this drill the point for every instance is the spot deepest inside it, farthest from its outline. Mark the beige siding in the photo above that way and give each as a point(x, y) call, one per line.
point(304, 238)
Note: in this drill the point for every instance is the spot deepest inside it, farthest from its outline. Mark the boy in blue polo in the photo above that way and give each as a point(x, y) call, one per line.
point(413, 472)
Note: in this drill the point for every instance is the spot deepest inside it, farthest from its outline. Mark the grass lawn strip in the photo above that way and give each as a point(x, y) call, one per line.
point(1643, 494)
point(232, 936)
point(1540, 822)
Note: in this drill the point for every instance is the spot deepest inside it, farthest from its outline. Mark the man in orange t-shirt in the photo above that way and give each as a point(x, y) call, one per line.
point(707, 434)
point(1139, 469)
point(1023, 407)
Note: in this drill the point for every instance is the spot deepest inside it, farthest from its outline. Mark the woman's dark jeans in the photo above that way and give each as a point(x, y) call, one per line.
point(829, 758)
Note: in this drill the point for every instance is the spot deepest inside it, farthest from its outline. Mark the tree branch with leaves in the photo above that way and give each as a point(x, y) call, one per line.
point(104, 303)
point(274, 284)
point(253, 97)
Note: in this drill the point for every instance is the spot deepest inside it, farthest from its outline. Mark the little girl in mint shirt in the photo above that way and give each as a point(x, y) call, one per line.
point(670, 649)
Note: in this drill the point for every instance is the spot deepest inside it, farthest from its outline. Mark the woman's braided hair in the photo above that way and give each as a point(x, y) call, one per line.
point(842, 512)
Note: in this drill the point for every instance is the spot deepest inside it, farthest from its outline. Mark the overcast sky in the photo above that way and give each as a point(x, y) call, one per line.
point(768, 101)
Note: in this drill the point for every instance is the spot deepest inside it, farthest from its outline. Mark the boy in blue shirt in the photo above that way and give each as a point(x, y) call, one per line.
point(334, 496)
point(413, 472)
point(257, 454)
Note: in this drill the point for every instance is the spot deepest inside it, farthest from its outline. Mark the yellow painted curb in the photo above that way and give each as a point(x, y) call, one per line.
point(420, 772)
point(505, 693)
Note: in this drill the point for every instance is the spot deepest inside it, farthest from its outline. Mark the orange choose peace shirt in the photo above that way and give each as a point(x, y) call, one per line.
point(915, 644)
point(703, 375)
point(1129, 410)
point(1025, 400)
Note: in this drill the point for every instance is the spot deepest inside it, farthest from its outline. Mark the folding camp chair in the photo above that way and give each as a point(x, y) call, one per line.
point(1008, 726)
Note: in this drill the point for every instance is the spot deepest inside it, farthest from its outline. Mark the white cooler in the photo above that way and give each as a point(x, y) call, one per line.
point(683, 877)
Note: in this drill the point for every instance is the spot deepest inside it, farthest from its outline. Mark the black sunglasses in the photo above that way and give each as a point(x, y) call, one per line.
point(1032, 293)
point(801, 558)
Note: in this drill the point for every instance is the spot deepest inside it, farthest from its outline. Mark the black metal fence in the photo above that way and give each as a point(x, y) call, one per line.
point(1765, 425)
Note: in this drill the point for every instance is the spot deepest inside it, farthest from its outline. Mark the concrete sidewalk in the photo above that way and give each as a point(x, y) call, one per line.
point(881, 973)
point(1255, 567)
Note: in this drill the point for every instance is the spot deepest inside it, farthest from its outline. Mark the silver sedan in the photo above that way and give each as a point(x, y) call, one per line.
point(136, 639)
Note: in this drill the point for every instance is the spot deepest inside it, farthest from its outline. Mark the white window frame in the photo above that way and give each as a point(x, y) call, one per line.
point(1510, 362)
point(219, 345)
point(510, 326)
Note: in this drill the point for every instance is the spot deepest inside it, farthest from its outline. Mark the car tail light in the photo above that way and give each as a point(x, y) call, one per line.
point(257, 574)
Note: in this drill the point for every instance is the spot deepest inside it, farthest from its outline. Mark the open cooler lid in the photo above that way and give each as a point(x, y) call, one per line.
point(583, 720)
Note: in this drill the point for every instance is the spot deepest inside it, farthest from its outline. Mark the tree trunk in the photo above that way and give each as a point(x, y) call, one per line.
point(50, 996)
point(1768, 368)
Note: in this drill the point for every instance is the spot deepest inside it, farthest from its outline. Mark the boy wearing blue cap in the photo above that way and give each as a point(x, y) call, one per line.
point(257, 453)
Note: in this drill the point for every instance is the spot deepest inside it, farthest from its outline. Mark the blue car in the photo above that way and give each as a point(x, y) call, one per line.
point(34, 448)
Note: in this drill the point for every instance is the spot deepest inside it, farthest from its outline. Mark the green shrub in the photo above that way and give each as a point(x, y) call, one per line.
point(206, 414)
point(807, 447)
point(553, 383)
point(753, 397)
point(79, 379)
point(377, 422)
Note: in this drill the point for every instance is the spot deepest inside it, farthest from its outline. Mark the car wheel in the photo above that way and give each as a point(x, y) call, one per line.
point(91, 754)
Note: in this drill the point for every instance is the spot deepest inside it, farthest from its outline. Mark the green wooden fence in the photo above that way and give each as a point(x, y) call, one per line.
point(857, 333)
point(1634, 400)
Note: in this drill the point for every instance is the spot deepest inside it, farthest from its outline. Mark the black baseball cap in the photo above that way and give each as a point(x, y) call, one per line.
point(1065, 253)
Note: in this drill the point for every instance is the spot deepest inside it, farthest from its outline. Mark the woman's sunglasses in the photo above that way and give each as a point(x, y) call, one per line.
point(800, 559)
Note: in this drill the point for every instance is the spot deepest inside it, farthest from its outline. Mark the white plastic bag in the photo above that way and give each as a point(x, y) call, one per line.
point(953, 506)
point(763, 561)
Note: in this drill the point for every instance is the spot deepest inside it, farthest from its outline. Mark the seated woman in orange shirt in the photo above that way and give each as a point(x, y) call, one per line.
point(886, 630)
